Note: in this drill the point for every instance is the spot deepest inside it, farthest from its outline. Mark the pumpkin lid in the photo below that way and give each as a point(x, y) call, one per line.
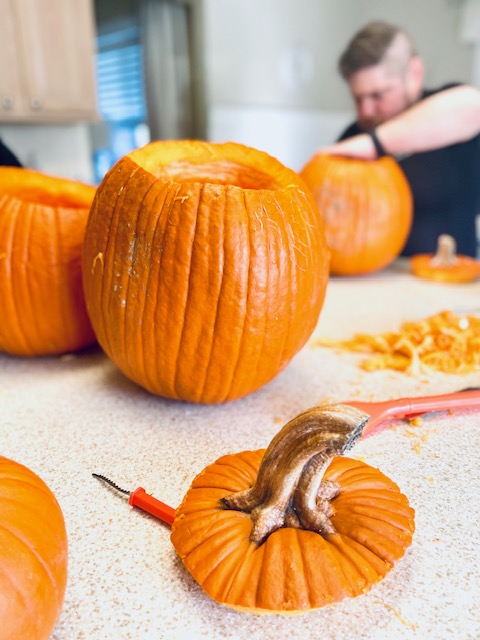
point(294, 527)
point(445, 265)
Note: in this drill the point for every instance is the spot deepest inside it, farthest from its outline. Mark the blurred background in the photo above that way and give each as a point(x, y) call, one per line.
point(83, 82)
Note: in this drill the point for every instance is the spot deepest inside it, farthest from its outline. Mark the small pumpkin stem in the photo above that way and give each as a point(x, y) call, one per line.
point(446, 254)
point(289, 489)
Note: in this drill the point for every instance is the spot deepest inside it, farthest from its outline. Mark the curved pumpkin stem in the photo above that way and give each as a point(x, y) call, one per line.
point(289, 490)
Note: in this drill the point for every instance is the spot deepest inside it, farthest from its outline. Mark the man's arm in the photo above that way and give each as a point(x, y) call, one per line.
point(443, 119)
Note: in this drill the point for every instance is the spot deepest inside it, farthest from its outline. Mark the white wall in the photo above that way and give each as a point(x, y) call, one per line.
point(271, 65)
point(60, 150)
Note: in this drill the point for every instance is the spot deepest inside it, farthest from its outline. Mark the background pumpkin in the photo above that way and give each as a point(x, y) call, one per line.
point(294, 569)
point(366, 207)
point(42, 226)
point(205, 268)
point(33, 555)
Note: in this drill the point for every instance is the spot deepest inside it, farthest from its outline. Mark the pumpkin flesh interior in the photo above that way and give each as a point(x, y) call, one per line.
point(227, 164)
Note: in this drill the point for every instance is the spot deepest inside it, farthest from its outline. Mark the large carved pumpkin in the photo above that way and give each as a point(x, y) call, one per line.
point(42, 226)
point(205, 268)
point(273, 531)
point(33, 555)
point(366, 207)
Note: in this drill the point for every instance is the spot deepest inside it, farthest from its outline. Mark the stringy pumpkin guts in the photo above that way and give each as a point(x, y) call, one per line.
point(444, 342)
point(295, 527)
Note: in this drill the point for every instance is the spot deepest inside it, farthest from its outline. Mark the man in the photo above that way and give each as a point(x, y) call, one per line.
point(434, 134)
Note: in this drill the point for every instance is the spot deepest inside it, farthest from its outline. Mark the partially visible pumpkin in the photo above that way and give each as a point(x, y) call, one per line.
point(33, 555)
point(366, 207)
point(42, 226)
point(205, 268)
point(274, 532)
point(445, 265)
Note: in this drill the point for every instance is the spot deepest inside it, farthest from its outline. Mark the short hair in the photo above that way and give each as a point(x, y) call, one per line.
point(370, 47)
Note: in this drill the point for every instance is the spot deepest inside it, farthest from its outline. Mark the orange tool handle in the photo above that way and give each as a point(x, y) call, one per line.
point(143, 500)
point(404, 407)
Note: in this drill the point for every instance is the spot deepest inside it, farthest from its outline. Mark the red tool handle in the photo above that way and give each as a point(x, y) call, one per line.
point(141, 499)
point(412, 406)
point(405, 407)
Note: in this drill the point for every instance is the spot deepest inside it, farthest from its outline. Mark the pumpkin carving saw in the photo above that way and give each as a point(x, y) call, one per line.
point(296, 526)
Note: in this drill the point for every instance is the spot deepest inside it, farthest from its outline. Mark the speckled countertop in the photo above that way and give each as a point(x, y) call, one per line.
point(68, 417)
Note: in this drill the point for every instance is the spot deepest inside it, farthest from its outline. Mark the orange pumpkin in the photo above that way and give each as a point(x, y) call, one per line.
point(205, 268)
point(366, 207)
point(33, 554)
point(293, 537)
point(445, 265)
point(42, 226)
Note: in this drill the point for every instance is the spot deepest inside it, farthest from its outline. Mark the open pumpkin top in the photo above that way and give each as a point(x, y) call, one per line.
point(39, 188)
point(208, 163)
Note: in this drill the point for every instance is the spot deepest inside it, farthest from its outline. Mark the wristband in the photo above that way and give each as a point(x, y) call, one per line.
point(379, 148)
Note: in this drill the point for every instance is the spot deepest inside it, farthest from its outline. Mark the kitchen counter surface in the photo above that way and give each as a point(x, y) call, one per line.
point(68, 417)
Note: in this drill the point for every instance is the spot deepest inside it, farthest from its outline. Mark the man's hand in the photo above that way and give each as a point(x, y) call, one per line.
point(360, 146)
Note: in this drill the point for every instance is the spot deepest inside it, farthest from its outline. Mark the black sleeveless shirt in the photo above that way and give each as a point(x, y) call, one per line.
point(445, 185)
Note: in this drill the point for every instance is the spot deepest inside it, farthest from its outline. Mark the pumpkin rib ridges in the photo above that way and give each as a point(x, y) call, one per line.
point(261, 568)
point(218, 546)
point(363, 567)
point(221, 289)
point(224, 386)
point(273, 230)
point(380, 566)
point(235, 556)
point(363, 535)
point(350, 479)
point(150, 307)
point(261, 343)
point(220, 477)
point(14, 288)
point(109, 257)
point(345, 567)
point(113, 272)
point(240, 577)
point(363, 517)
point(243, 473)
point(31, 485)
point(13, 326)
point(173, 189)
point(136, 353)
point(239, 366)
point(188, 301)
point(351, 572)
point(301, 568)
point(65, 321)
point(88, 281)
point(335, 583)
point(352, 499)
point(19, 592)
point(17, 535)
point(236, 383)
point(210, 524)
point(290, 271)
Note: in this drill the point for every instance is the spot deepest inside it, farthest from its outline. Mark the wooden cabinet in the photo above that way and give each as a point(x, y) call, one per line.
point(47, 61)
